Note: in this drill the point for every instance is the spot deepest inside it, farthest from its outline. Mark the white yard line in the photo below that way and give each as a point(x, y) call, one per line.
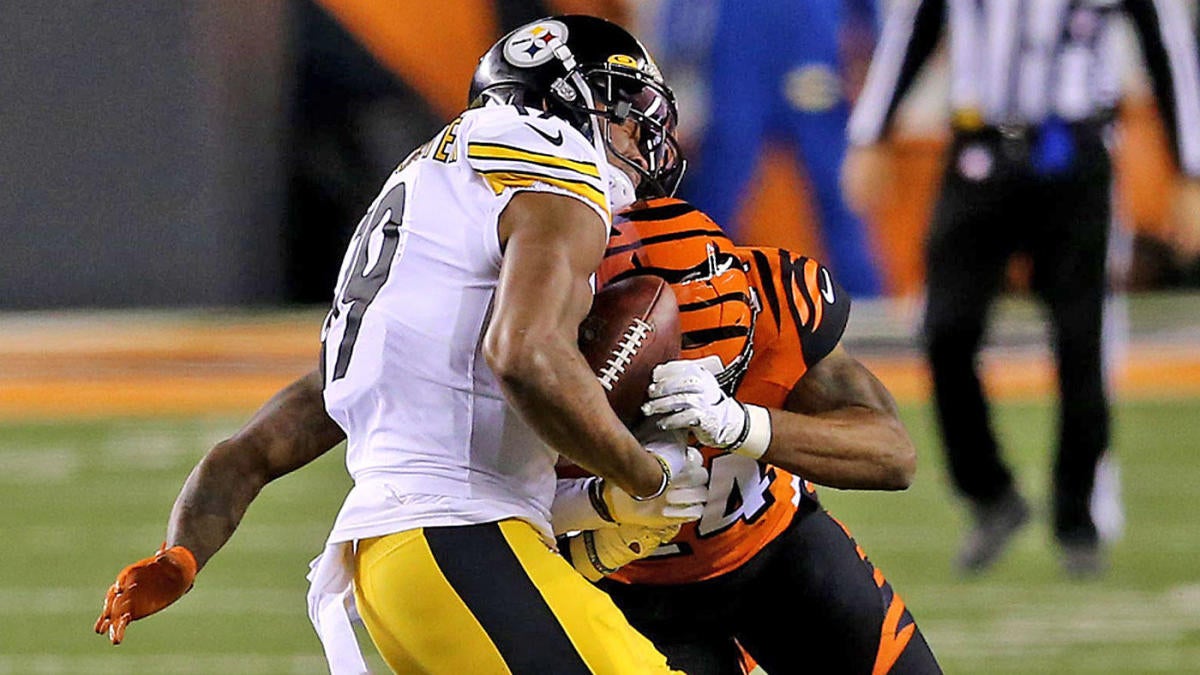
point(17, 602)
point(177, 664)
point(132, 538)
point(41, 465)
point(1048, 621)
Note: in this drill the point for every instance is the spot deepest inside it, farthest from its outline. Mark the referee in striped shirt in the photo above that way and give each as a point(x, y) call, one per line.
point(1035, 85)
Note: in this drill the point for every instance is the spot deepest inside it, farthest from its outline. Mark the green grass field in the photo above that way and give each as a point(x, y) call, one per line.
point(81, 500)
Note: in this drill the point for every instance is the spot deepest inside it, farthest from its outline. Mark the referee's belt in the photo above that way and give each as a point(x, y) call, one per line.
point(1049, 148)
point(969, 127)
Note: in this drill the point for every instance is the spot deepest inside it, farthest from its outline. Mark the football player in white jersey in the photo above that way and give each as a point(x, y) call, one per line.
point(449, 362)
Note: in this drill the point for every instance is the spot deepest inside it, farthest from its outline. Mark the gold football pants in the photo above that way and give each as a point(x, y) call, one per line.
point(490, 598)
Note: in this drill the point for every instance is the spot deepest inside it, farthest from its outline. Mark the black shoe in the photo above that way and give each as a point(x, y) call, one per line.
point(1082, 560)
point(994, 525)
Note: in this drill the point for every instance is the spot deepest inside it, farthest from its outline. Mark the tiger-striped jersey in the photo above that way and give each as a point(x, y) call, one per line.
point(431, 439)
point(783, 313)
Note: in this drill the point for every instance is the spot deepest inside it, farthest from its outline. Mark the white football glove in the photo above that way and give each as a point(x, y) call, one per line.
point(597, 553)
point(688, 397)
point(593, 503)
point(683, 499)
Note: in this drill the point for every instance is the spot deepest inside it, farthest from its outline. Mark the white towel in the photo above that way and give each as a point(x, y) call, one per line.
point(332, 610)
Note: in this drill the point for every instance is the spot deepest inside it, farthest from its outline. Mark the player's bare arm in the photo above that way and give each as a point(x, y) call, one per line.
point(287, 432)
point(841, 428)
point(552, 244)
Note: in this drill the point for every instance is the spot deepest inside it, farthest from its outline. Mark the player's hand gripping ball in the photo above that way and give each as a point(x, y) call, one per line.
point(688, 397)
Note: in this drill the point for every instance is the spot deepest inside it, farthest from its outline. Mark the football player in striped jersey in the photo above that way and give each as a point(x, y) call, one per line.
point(775, 402)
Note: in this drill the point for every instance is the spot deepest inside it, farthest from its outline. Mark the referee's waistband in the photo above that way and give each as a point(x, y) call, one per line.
point(968, 125)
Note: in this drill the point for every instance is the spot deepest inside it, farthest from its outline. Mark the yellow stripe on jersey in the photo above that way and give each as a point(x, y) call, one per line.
point(501, 179)
point(506, 152)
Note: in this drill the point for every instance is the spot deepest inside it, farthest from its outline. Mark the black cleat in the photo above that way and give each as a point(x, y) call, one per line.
point(993, 528)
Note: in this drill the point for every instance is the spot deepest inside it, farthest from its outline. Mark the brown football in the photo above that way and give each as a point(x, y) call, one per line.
point(632, 327)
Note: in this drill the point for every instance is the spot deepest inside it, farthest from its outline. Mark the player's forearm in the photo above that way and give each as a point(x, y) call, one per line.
point(841, 428)
point(551, 386)
point(213, 500)
point(849, 448)
point(552, 246)
point(289, 431)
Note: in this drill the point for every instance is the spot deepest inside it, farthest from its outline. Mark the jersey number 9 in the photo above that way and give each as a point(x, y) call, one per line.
point(360, 285)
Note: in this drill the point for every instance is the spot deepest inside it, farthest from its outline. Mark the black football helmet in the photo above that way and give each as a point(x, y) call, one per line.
point(582, 68)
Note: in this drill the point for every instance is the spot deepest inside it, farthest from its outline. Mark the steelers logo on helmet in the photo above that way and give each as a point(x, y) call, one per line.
point(532, 45)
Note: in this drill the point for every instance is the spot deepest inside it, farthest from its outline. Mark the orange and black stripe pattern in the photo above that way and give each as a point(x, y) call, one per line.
point(769, 315)
point(721, 289)
point(673, 240)
point(898, 623)
point(800, 299)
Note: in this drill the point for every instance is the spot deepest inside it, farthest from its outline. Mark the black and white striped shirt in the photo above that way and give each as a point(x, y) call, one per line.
point(1018, 62)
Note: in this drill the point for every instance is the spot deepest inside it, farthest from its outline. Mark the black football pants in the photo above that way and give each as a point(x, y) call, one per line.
point(809, 602)
point(1062, 223)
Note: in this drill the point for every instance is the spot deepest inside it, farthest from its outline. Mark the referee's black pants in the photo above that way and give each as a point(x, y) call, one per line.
point(992, 205)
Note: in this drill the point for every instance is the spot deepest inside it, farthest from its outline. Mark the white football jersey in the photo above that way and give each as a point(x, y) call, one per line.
point(431, 438)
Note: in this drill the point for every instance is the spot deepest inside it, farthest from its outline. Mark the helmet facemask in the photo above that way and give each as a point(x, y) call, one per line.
point(621, 95)
point(596, 96)
point(720, 288)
